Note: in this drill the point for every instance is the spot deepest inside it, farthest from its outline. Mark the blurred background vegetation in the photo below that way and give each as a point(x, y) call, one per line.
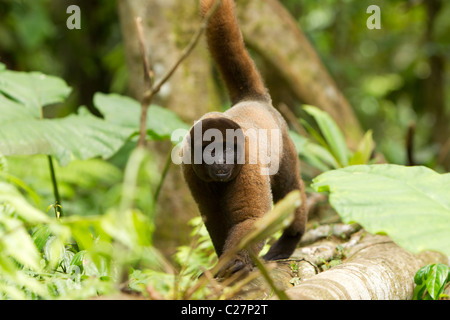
point(397, 79)
point(394, 78)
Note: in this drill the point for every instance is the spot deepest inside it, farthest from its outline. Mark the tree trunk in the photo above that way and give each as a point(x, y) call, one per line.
point(192, 91)
point(168, 25)
point(434, 87)
point(375, 268)
point(271, 31)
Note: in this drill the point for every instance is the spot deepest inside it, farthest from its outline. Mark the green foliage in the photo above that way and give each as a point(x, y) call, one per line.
point(328, 149)
point(23, 131)
point(86, 186)
point(35, 37)
point(32, 90)
point(431, 281)
point(83, 136)
point(333, 138)
point(199, 255)
point(410, 204)
point(78, 255)
point(161, 122)
point(72, 257)
point(81, 255)
point(386, 74)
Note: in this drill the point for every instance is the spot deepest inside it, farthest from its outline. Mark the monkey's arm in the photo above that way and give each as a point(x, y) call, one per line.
point(249, 198)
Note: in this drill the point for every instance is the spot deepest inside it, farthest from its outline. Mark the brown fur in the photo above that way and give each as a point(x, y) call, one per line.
point(230, 208)
point(227, 46)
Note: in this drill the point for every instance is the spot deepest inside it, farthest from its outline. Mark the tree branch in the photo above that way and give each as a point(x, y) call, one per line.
point(150, 90)
point(148, 83)
point(373, 267)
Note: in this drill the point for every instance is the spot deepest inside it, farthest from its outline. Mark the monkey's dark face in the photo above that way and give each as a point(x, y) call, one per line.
point(214, 157)
point(224, 166)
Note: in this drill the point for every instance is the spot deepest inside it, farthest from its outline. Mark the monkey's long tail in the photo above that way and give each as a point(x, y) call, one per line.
point(227, 47)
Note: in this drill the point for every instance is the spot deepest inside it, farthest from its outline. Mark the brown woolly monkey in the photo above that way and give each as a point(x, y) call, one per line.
point(232, 184)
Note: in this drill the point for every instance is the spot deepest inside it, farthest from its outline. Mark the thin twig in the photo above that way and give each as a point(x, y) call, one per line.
point(292, 119)
point(316, 268)
point(148, 71)
point(410, 144)
point(148, 83)
point(185, 52)
point(163, 177)
point(151, 90)
point(214, 285)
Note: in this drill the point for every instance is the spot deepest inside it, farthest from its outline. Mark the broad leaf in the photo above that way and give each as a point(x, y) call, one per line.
point(314, 154)
point(80, 136)
point(364, 151)
point(23, 132)
point(332, 134)
point(437, 280)
point(431, 278)
point(125, 111)
point(410, 204)
point(34, 90)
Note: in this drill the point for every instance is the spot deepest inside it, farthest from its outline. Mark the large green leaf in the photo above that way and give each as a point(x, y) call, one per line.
point(125, 111)
point(34, 90)
point(23, 131)
point(12, 197)
point(11, 110)
point(81, 136)
point(333, 135)
point(314, 154)
point(410, 204)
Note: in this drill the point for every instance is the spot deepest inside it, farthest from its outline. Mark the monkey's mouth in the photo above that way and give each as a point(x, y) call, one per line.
point(222, 174)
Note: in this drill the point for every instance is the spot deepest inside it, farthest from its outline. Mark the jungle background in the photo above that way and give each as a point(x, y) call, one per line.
point(393, 80)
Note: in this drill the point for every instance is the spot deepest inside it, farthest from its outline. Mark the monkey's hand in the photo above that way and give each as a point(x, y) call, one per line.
point(234, 266)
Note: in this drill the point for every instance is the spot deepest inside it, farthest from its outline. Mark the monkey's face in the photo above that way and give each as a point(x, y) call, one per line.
point(216, 157)
point(223, 165)
point(221, 162)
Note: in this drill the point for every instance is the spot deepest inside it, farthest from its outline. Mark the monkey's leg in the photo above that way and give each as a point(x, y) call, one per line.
point(247, 199)
point(242, 261)
point(287, 180)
